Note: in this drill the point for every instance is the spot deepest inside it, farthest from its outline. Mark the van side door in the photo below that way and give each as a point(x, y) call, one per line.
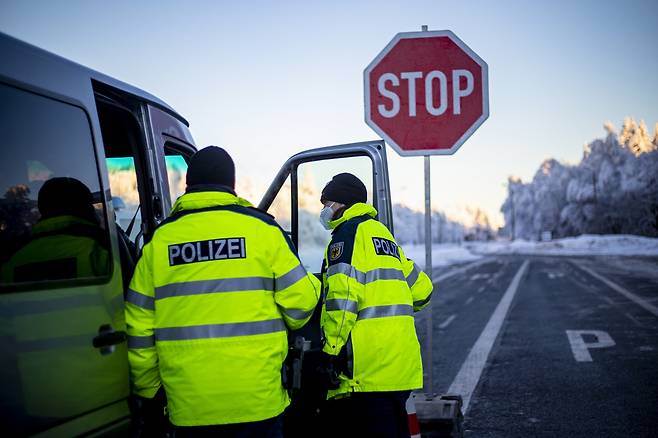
point(63, 355)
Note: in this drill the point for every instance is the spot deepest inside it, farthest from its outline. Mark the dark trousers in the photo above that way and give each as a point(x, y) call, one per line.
point(367, 414)
point(270, 428)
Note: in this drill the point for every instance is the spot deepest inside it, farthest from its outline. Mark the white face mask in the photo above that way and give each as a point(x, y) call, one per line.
point(325, 216)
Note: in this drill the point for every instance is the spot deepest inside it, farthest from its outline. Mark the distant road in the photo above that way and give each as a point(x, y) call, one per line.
point(549, 346)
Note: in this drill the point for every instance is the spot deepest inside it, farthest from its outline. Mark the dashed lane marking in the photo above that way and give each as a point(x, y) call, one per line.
point(447, 322)
point(462, 269)
point(614, 286)
point(468, 301)
point(471, 370)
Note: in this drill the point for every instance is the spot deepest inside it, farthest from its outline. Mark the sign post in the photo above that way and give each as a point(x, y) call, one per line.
point(426, 93)
point(428, 266)
point(428, 271)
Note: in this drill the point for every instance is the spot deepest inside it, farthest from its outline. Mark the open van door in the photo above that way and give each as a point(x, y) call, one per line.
point(294, 200)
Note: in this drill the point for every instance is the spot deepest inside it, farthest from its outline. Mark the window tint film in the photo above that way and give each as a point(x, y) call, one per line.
point(52, 226)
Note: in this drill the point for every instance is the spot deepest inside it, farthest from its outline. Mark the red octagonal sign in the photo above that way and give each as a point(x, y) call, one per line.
point(426, 93)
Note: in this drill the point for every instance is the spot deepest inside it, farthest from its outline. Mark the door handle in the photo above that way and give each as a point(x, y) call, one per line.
point(107, 338)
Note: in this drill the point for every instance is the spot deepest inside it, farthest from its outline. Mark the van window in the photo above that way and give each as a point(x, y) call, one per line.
point(125, 196)
point(52, 220)
point(176, 173)
point(312, 176)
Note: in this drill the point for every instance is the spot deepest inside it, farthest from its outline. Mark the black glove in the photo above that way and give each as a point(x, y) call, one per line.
point(327, 372)
point(149, 415)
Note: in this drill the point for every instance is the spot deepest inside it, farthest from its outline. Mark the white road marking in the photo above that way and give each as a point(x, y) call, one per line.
point(462, 269)
point(608, 300)
point(589, 288)
point(471, 370)
point(481, 289)
point(634, 319)
point(631, 296)
point(469, 301)
point(447, 322)
point(580, 348)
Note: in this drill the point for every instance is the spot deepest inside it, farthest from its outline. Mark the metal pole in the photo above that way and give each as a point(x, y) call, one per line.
point(513, 213)
point(428, 271)
point(428, 265)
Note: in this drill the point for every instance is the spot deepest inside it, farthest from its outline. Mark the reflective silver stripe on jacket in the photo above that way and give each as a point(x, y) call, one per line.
point(339, 304)
point(413, 276)
point(141, 341)
point(346, 269)
point(286, 280)
point(385, 311)
point(140, 300)
point(421, 303)
point(214, 286)
point(365, 277)
point(296, 313)
point(219, 330)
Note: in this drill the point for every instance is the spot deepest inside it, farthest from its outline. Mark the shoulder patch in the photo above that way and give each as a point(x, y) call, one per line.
point(336, 250)
point(385, 247)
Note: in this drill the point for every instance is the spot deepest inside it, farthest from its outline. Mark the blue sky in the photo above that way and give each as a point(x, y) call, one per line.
point(268, 79)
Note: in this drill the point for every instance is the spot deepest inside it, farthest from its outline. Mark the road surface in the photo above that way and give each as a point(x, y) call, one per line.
point(548, 346)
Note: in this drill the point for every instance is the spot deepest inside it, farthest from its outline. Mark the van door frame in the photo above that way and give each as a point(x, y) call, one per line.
point(375, 150)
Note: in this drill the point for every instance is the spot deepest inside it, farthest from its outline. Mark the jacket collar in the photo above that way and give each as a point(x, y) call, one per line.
point(196, 200)
point(358, 209)
point(56, 223)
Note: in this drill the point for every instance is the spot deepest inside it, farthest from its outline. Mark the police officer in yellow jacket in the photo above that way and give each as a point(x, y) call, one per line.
point(67, 242)
point(209, 305)
point(371, 291)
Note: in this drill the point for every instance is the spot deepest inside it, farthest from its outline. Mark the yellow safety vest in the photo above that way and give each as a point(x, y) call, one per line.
point(208, 309)
point(46, 355)
point(60, 248)
point(371, 291)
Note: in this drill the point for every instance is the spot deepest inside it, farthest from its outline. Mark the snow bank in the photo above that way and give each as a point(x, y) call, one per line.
point(450, 254)
point(442, 254)
point(587, 244)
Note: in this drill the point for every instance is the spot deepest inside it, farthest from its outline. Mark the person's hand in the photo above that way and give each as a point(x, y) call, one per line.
point(327, 373)
point(149, 416)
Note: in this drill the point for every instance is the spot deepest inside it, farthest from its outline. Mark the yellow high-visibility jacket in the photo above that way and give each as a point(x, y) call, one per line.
point(61, 247)
point(371, 291)
point(45, 354)
point(208, 310)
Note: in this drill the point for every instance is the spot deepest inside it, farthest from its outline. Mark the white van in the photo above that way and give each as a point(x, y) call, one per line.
point(75, 140)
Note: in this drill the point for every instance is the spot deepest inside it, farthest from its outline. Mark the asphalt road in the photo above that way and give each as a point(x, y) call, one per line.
point(548, 346)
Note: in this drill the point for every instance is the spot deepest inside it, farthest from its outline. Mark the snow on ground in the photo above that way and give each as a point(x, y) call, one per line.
point(450, 254)
point(587, 244)
point(442, 254)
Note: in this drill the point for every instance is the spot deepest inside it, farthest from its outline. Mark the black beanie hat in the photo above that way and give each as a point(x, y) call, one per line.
point(346, 189)
point(211, 165)
point(66, 196)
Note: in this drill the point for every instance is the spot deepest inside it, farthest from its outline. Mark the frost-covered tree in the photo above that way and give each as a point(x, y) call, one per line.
point(409, 226)
point(614, 189)
point(519, 210)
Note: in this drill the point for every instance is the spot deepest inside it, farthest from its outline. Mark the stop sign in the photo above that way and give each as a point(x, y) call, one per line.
point(426, 93)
